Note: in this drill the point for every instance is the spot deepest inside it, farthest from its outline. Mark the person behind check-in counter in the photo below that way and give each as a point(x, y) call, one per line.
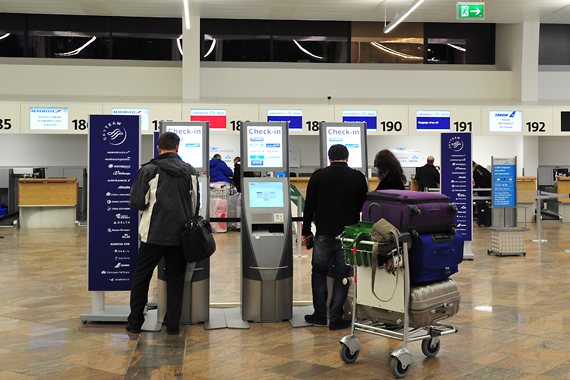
point(164, 192)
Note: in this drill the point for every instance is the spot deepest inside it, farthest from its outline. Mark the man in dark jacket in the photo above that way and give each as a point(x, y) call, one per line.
point(482, 178)
point(429, 178)
point(335, 196)
point(219, 171)
point(164, 192)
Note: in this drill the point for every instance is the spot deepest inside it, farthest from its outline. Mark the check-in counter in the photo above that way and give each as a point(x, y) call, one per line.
point(47, 202)
point(525, 211)
point(302, 182)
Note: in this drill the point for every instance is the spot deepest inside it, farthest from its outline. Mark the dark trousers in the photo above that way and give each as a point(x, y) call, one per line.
point(326, 249)
point(149, 257)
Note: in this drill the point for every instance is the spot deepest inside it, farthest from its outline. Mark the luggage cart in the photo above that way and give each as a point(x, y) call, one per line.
point(392, 318)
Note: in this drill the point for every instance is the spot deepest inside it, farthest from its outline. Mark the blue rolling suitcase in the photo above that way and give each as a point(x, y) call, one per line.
point(434, 257)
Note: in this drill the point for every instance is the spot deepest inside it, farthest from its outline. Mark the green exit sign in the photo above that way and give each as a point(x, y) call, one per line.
point(471, 11)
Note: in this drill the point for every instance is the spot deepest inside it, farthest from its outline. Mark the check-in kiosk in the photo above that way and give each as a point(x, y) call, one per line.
point(194, 149)
point(266, 229)
point(351, 135)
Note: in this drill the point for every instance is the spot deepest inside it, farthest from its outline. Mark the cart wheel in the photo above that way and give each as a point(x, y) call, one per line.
point(397, 369)
point(428, 350)
point(345, 354)
point(84, 322)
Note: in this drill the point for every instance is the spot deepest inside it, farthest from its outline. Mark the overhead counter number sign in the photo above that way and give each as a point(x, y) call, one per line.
point(471, 11)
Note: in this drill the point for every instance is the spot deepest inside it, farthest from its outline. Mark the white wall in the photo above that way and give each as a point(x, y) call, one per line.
point(319, 83)
point(554, 150)
point(44, 77)
point(554, 85)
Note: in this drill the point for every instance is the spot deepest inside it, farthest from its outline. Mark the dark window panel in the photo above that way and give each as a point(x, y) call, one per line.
point(12, 46)
point(142, 49)
point(479, 42)
point(51, 24)
point(554, 44)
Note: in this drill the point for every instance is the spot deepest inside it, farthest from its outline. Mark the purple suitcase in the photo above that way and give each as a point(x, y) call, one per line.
point(411, 211)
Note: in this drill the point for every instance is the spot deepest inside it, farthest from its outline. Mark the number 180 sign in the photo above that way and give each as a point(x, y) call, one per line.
point(471, 11)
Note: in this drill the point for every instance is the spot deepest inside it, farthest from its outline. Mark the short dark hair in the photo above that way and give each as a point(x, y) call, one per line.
point(217, 156)
point(338, 152)
point(168, 141)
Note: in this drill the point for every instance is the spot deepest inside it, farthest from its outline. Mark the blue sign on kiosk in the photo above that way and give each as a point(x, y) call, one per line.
point(504, 182)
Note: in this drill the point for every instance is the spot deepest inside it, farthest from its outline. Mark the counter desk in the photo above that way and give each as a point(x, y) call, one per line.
point(47, 202)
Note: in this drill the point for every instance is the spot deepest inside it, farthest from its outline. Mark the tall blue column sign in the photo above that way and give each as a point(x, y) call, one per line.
point(112, 237)
point(456, 173)
point(504, 182)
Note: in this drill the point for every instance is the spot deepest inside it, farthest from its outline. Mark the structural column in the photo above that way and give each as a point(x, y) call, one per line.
point(191, 59)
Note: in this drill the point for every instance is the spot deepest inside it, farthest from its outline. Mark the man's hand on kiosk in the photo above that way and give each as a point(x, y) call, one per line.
point(308, 241)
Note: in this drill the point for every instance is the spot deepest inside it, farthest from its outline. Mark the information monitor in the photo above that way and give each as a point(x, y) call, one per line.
point(433, 121)
point(351, 135)
point(142, 112)
point(265, 146)
point(505, 121)
point(193, 141)
point(49, 118)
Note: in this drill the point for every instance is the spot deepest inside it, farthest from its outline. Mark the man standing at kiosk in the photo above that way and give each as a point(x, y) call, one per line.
point(335, 196)
point(163, 192)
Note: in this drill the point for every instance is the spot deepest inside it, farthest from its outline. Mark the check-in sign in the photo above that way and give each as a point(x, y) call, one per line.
point(471, 11)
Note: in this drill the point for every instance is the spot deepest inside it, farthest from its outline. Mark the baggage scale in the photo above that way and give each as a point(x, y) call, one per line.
point(386, 310)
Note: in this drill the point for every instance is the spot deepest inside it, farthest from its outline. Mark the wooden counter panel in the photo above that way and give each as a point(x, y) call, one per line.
point(527, 184)
point(47, 192)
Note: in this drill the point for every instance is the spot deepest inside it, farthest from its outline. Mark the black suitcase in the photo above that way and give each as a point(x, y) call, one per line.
point(483, 214)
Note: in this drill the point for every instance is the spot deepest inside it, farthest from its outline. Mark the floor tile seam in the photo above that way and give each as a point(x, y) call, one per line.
point(131, 358)
point(185, 347)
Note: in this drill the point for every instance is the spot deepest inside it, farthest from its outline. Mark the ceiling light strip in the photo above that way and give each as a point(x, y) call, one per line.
point(187, 13)
point(306, 51)
point(393, 52)
point(457, 47)
point(4, 36)
point(412, 7)
point(78, 50)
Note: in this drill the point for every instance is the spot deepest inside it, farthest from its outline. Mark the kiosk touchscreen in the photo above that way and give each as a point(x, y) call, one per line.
point(193, 149)
point(266, 232)
point(351, 135)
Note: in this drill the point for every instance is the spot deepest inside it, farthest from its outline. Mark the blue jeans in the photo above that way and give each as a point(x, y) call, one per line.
point(326, 249)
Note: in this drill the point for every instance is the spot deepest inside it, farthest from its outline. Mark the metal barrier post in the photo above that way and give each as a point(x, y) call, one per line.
point(299, 227)
point(538, 219)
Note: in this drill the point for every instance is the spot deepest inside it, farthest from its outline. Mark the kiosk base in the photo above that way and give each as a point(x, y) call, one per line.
point(111, 313)
point(267, 300)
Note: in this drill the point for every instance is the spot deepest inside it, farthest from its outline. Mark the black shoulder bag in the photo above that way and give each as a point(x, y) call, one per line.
point(197, 240)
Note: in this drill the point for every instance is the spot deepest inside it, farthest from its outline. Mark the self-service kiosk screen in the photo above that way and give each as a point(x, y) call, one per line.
point(505, 121)
point(264, 146)
point(349, 136)
point(142, 112)
point(266, 194)
point(44, 118)
point(191, 147)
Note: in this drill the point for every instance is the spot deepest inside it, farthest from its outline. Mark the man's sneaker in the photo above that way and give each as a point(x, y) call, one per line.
point(316, 320)
point(342, 324)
